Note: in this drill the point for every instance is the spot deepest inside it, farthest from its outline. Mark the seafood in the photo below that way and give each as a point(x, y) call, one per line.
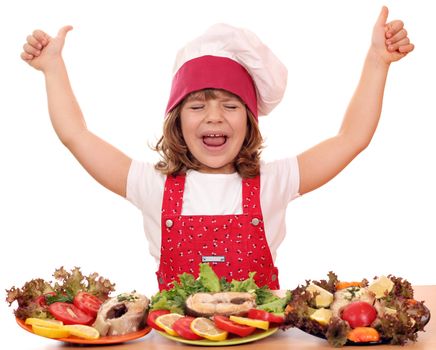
point(383, 311)
point(347, 295)
point(125, 313)
point(224, 303)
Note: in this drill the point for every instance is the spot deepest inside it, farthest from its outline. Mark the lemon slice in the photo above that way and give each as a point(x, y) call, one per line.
point(206, 328)
point(43, 322)
point(50, 332)
point(82, 331)
point(250, 322)
point(166, 322)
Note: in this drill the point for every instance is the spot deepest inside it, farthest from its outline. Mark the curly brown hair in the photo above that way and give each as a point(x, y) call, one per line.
point(176, 157)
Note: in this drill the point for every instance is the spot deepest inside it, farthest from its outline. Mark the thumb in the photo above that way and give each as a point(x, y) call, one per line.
point(382, 18)
point(62, 33)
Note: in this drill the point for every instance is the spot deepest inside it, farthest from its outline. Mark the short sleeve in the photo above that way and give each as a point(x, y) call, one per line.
point(143, 183)
point(281, 180)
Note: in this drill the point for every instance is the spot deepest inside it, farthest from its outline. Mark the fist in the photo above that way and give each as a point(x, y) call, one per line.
point(41, 50)
point(390, 39)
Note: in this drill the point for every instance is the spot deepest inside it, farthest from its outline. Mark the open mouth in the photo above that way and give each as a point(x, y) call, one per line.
point(214, 140)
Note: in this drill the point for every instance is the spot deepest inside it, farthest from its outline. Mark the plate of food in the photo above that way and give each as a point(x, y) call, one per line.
point(209, 311)
point(79, 309)
point(115, 339)
point(258, 335)
point(382, 311)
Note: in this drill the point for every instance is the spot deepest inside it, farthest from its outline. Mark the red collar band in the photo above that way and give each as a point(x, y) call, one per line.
point(213, 72)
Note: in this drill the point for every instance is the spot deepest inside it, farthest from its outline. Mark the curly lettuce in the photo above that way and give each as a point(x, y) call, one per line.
point(26, 297)
point(67, 284)
point(74, 281)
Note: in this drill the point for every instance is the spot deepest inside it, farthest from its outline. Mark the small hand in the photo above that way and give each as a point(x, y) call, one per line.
point(390, 40)
point(41, 49)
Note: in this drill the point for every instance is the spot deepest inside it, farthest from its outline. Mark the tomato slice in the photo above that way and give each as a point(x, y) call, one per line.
point(42, 301)
point(183, 328)
point(69, 314)
point(88, 303)
point(151, 318)
point(257, 314)
point(224, 323)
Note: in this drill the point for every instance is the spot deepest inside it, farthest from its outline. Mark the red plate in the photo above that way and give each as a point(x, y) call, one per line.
point(116, 339)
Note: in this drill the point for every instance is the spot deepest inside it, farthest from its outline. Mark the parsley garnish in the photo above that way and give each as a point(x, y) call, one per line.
point(127, 297)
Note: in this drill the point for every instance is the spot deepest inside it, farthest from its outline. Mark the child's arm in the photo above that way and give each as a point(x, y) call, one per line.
point(321, 163)
point(104, 162)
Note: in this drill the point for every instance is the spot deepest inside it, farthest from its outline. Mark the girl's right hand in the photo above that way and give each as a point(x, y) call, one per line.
point(41, 50)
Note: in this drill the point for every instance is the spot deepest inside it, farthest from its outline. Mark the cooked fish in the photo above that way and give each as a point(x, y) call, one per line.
point(345, 296)
point(225, 303)
point(125, 313)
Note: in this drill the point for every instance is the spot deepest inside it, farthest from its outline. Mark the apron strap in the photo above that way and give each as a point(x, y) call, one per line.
point(251, 196)
point(173, 195)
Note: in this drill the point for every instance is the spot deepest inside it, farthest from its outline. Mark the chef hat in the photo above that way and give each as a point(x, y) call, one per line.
point(232, 59)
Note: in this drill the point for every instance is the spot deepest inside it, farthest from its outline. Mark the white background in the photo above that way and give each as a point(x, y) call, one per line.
point(377, 217)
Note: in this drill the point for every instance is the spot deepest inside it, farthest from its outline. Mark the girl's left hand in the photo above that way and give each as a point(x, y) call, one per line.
point(390, 40)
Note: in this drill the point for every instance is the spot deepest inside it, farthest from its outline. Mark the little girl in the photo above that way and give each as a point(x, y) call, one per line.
point(210, 198)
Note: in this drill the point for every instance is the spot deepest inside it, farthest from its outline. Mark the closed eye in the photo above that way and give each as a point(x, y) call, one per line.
point(196, 107)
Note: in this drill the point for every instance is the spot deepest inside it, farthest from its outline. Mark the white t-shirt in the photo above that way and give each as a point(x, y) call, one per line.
point(215, 194)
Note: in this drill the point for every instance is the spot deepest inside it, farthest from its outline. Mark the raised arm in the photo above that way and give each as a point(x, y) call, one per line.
point(104, 162)
point(321, 163)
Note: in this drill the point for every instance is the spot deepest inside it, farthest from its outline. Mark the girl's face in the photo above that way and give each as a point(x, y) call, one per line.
point(214, 130)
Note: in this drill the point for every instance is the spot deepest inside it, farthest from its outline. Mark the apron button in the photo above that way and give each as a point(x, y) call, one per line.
point(161, 281)
point(169, 223)
point(255, 221)
point(273, 277)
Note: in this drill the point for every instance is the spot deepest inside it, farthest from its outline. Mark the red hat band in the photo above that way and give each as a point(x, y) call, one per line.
point(213, 72)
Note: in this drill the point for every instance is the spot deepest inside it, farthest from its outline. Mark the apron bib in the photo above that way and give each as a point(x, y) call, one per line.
point(233, 245)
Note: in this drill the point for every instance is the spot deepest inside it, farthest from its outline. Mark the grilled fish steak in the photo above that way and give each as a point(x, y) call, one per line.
point(225, 303)
point(123, 314)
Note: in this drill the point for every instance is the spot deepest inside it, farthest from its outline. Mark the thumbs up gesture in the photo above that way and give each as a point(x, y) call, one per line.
point(389, 39)
point(41, 50)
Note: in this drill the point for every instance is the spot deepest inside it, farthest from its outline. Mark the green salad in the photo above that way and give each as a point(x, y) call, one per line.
point(174, 299)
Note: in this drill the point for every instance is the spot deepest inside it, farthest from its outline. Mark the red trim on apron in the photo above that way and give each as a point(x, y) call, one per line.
point(234, 245)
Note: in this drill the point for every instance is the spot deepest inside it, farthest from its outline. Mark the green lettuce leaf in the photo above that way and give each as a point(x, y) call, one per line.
point(274, 303)
point(247, 285)
point(209, 279)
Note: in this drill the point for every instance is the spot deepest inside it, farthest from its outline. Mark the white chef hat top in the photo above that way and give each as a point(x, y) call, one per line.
point(221, 58)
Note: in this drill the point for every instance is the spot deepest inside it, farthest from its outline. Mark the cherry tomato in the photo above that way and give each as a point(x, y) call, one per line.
point(152, 315)
point(224, 323)
point(69, 314)
point(42, 301)
point(88, 303)
point(359, 314)
point(265, 316)
point(183, 328)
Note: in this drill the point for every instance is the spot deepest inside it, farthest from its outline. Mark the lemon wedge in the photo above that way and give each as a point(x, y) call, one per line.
point(250, 322)
point(324, 298)
point(206, 328)
point(381, 286)
point(50, 332)
point(166, 322)
point(49, 323)
point(322, 316)
point(82, 331)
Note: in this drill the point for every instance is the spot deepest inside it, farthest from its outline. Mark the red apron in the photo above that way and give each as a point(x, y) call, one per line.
point(233, 245)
